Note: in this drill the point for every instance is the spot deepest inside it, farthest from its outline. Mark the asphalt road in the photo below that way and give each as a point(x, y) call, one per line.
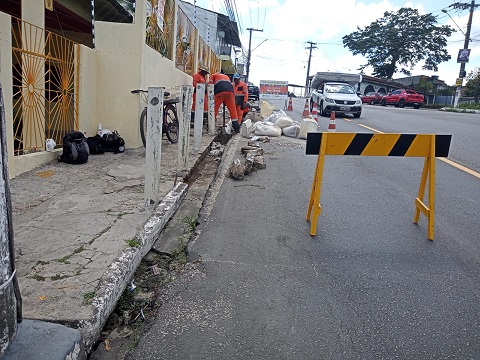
point(369, 285)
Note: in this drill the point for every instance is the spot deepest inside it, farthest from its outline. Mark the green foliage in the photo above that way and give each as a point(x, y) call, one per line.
point(65, 259)
point(180, 256)
point(472, 87)
point(399, 40)
point(88, 297)
point(475, 106)
point(58, 277)
point(133, 243)
point(38, 277)
point(189, 223)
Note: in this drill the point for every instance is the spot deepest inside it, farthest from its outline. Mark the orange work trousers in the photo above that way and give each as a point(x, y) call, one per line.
point(239, 113)
point(227, 98)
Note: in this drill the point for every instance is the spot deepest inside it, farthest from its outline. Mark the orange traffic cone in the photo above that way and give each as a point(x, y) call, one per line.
point(290, 105)
point(314, 112)
point(306, 111)
point(331, 126)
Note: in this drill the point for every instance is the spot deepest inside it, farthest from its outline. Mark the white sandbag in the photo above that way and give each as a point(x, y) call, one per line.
point(284, 121)
point(265, 109)
point(291, 131)
point(275, 116)
point(307, 125)
point(262, 129)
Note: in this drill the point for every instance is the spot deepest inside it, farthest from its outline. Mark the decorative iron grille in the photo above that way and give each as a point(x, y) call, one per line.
point(45, 87)
point(160, 22)
point(185, 43)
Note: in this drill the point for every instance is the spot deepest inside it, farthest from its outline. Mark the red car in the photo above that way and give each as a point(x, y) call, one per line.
point(402, 98)
point(372, 98)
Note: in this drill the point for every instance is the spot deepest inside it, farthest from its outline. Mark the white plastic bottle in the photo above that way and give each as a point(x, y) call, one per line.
point(99, 132)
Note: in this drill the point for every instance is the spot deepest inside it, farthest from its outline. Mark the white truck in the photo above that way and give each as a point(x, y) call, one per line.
point(333, 91)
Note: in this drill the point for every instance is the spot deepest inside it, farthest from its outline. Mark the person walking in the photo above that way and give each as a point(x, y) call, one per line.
point(200, 77)
point(223, 94)
point(240, 89)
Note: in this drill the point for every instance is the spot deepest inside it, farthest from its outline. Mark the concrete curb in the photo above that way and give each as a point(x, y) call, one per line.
point(115, 279)
point(467, 111)
point(121, 271)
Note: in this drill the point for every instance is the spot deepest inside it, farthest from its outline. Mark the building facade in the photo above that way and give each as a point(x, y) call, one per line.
point(71, 65)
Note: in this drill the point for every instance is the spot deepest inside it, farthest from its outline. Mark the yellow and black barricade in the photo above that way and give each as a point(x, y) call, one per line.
point(428, 146)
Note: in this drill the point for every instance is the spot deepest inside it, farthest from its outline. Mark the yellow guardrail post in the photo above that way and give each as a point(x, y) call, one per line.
point(428, 146)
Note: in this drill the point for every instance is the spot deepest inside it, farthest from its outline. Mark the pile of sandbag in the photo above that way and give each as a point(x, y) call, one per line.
point(276, 123)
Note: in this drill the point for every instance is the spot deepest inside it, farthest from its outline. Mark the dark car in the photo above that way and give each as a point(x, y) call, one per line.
point(372, 98)
point(253, 92)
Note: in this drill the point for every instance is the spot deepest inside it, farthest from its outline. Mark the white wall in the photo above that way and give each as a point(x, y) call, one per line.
point(87, 97)
point(124, 63)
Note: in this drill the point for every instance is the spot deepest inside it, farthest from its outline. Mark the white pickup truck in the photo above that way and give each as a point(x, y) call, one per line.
point(336, 92)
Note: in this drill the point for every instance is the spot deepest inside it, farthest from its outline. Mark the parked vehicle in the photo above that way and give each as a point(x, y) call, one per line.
point(336, 92)
point(402, 98)
point(253, 92)
point(372, 98)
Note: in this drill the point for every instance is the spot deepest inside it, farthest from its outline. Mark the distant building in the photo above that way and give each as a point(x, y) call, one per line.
point(219, 32)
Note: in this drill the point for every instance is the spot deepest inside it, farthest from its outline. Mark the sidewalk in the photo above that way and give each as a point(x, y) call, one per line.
point(81, 231)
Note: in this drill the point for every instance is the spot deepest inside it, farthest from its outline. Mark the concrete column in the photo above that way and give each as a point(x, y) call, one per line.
point(184, 131)
point(211, 109)
point(8, 302)
point(153, 146)
point(33, 11)
point(198, 125)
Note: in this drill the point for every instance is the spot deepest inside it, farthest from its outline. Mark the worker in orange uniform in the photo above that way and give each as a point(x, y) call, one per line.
point(223, 94)
point(199, 77)
point(240, 89)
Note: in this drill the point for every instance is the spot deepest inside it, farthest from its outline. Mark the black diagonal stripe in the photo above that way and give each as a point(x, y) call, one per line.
point(358, 144)
point(314, 141)
point(402, 145)
point(442, 145)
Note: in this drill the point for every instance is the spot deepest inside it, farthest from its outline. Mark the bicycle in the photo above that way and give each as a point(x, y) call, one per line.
point(170, 123)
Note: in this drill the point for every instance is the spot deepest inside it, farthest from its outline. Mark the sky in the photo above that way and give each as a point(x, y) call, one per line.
point(279, 51)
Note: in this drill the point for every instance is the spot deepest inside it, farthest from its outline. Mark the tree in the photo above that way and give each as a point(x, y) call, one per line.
point(398, 41)
point(473, 84)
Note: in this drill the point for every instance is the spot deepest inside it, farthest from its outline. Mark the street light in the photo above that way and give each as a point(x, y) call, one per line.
point(459, 28)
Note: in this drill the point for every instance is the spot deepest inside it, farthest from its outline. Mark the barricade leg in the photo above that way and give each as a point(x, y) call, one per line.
point(420, 206)
point(317, 189)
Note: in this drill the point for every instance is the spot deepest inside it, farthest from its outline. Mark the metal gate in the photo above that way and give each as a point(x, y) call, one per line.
point(45, 86)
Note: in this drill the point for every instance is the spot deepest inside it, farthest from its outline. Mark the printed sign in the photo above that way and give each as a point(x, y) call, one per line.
point(49, 5)
point(463, 56)
point(459, 82)
point(272, 89)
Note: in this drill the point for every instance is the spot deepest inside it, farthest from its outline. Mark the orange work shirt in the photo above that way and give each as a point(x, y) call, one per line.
point(240, 89)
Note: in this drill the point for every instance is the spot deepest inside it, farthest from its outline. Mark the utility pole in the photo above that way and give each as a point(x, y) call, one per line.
point(462, 72)
point(311, 47)
point(249, 56)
